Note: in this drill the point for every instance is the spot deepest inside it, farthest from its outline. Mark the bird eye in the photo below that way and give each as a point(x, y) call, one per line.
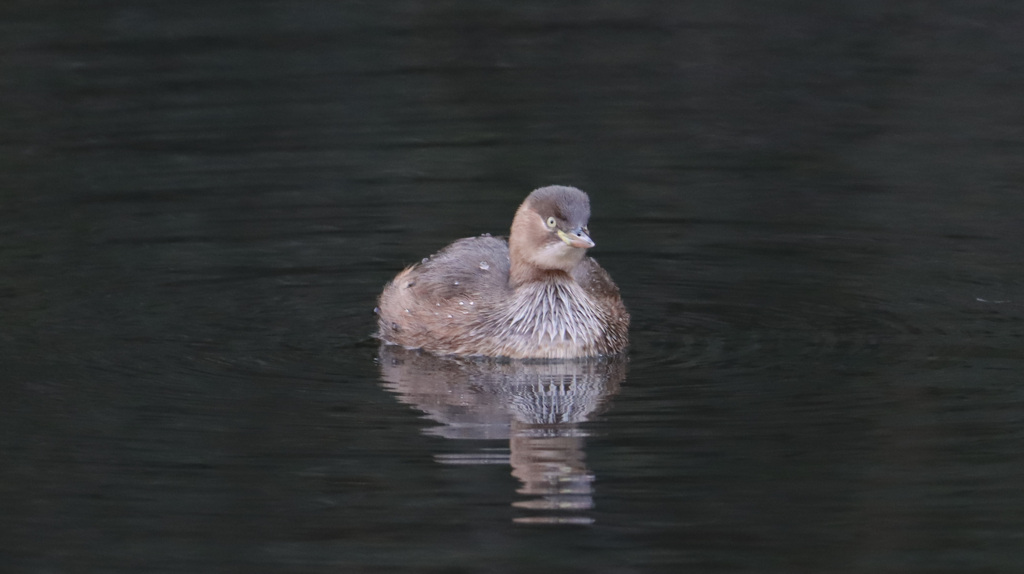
point(552, 222)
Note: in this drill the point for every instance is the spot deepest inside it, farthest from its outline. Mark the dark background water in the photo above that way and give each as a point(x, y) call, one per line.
point(813, 212)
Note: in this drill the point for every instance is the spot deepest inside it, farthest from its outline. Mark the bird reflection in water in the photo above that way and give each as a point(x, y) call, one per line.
point(536, 406)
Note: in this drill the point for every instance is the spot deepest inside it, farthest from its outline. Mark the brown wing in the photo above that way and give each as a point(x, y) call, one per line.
point(468, 267)
point(413, 307)
point(600, 286)
point(596, 280)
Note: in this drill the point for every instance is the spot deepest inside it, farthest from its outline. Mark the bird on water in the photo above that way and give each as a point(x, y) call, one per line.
point(536, 296)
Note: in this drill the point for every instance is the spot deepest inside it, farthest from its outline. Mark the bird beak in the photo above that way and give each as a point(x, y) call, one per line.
point(578, 238)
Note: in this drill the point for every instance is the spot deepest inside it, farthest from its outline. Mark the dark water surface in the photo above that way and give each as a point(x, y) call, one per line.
point(814, 215)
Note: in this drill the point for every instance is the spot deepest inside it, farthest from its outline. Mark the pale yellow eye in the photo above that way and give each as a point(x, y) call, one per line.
point(552, 222)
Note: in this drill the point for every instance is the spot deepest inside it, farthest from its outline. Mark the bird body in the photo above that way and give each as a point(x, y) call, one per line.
point(536, 296)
